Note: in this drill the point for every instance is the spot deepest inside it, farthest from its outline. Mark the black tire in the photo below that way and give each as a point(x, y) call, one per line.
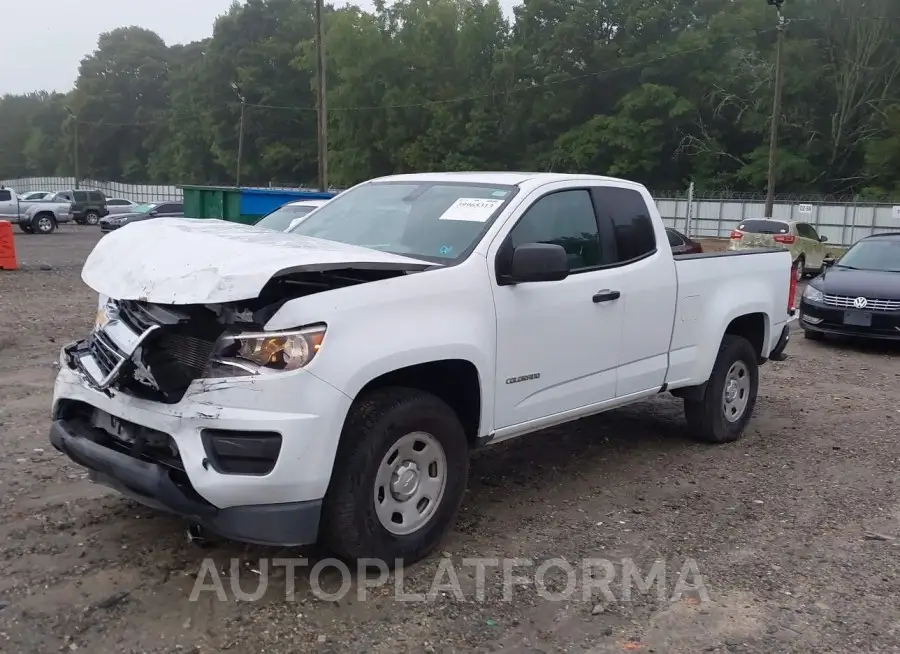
point(800, 267)
point(91, 217)
point(350, 526)
point(706, 416)
point(25, 227)
point(43, 223)
point(813, 336)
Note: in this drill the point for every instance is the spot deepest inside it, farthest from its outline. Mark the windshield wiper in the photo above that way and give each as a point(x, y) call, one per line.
point(843, 265)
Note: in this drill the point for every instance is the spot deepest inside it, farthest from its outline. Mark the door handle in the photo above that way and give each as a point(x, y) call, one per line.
point(606, 296)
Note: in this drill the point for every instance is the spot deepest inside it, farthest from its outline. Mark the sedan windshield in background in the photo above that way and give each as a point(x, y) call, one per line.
point(764, 227)
point(143, 208)
point(280, 219)
point(435, 221)
point(881, 255)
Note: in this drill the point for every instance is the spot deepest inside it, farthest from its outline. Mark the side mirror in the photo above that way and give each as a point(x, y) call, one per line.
point(823, 238)
point(537, 262)
point(829, 262)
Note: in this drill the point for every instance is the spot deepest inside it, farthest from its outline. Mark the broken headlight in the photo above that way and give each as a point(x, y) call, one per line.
point(255, 353)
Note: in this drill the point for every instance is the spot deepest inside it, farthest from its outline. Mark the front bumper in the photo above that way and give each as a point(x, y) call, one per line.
point(284, 524)
point(838, 321)
point(280, 507)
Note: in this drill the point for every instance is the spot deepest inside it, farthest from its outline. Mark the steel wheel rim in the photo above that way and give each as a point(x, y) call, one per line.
point(44, 224)
point(736, 393)
point(410, 483)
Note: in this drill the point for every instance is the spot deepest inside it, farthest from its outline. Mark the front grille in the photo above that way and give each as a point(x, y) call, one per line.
point(165, 364)
point(845, 302)
point(105, 353)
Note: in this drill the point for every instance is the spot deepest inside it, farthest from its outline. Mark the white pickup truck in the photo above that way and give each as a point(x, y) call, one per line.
point(328, 384)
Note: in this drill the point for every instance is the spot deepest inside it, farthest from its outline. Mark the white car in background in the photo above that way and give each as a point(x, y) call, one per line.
point(120, 205)
point(287, 216)
point(31, 196)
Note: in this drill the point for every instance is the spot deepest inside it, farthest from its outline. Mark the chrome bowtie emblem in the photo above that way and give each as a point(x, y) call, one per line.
point(860, 303)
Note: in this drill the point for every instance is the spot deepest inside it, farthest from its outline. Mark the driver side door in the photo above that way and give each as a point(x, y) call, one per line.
point(557, 342)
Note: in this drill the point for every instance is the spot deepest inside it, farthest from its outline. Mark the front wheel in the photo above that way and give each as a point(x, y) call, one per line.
point(726, 406)
point(398, 479)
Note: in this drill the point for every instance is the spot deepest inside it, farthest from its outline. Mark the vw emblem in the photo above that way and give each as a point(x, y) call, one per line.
point(860, 303)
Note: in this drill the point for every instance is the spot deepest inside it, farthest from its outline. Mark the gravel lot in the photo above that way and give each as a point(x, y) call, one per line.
point(795, 529)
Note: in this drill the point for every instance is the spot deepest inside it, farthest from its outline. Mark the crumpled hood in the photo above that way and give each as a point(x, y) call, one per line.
point(204, 261)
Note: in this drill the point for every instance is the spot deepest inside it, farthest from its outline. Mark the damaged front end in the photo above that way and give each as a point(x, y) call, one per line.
point(154, 351)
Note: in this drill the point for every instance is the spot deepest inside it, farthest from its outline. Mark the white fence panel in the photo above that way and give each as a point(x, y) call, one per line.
point(841, 223)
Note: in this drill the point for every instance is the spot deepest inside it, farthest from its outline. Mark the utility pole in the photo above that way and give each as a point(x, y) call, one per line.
point(237, 176)
point(75, 145)
point(322, 113)
point(776, 110)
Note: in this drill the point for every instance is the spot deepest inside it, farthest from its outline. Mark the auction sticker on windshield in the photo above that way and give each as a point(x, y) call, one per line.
point(473, 210)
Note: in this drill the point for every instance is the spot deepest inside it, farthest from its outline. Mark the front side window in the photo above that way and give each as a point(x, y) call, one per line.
point(96, 197)
point(807, 231)
point(434, 221)
point(5, 195)
point(80, 196)
point(564, 218)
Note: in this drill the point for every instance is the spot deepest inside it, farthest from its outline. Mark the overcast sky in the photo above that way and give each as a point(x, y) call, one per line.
point(42, 41)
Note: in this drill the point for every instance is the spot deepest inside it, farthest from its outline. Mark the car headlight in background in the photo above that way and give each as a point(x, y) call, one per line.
point(255, 353)
point(813, 294)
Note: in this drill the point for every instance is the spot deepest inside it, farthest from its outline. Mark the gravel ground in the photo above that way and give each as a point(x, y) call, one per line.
point(795, 529)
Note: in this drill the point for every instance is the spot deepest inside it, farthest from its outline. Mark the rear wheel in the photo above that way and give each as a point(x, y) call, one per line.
point(399, 477)
point(43, 223)
point(725, 408)
point(800, 268)
point(92, 217)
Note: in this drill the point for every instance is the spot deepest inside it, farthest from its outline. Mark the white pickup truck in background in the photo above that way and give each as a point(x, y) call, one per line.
point(328, 384)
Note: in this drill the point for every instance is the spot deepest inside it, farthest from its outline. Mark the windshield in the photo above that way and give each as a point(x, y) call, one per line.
point(882, 255)
point(281, 218)
point(435, 221)
point(142, 208)
point(764, 227)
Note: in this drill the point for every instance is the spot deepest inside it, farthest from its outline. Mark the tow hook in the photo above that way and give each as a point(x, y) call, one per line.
point(196, 536)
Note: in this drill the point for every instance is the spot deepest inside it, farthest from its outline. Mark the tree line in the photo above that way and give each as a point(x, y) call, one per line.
point(661, 91)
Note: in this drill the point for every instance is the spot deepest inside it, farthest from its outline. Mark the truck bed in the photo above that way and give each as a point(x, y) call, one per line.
point(713, 289)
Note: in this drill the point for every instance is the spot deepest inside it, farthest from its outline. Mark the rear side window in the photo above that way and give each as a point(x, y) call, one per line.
point(5, 195)
point(764, 227)
point(564, 218)
point(80, 196)
point(96, 197)
point(170, 208)
point(117, 203)
point(625, 210)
